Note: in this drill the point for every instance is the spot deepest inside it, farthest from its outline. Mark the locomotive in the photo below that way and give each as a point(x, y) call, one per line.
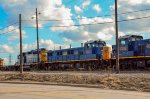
point(1, 64)
point(93, 55)
point(134, 52)
point(86, 57)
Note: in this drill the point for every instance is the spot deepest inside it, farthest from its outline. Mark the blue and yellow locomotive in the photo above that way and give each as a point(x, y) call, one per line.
point(1, 63)
point(134, 52)
point(87, 56)
point(94, 55)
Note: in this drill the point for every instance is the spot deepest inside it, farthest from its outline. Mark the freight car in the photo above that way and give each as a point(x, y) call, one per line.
point(93, 55)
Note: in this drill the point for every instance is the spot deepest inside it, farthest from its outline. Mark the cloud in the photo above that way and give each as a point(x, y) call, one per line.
point(49, 9)
point(48, 44)
point(98, 28)
point(138, 2)
point(13, 3)
point(6, 48)
point(121, 34)
point(97, 8)
point(77, 9)
point(134, 26)
point(14, 33)
point(86, 3)
point(104, 36)
point(91, 32)
point(55, 9)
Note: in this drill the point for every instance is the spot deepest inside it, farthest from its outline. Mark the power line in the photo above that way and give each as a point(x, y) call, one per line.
point(72, 25)
point(136, 11)
point(8, 32)
point(82, 24)
point(9, 26)
point(80, 18)
point(69, 19)
point(95, 23)
point(135, 19)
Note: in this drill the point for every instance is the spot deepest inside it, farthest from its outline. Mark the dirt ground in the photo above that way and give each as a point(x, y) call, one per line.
point(138, 82)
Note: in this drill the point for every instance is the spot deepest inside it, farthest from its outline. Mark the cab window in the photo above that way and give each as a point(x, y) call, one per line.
point(123, 42)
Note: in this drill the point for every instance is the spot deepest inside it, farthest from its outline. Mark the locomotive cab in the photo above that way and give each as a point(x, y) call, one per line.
point(96, 43)
point(126, 45)
point(99, 48)
point(125, 40)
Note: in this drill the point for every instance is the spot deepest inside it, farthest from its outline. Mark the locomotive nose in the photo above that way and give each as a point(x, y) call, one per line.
point(107, 52)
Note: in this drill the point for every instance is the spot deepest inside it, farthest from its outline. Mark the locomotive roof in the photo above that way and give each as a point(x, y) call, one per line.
point(65, 49)
point(92, 41)
point(129, 36)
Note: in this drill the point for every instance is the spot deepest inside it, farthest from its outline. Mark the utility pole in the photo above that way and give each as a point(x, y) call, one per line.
point(117, 38)
point(9, 59)
point(21, 55)
point(37, 30)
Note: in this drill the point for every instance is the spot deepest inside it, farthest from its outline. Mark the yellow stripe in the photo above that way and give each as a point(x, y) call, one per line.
point(94, 59)
point(133, 57)
point(97, 59)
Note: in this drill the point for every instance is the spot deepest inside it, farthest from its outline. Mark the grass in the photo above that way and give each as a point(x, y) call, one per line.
point(139, 82)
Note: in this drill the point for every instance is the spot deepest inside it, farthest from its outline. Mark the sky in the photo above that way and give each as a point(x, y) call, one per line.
point(67, 27)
